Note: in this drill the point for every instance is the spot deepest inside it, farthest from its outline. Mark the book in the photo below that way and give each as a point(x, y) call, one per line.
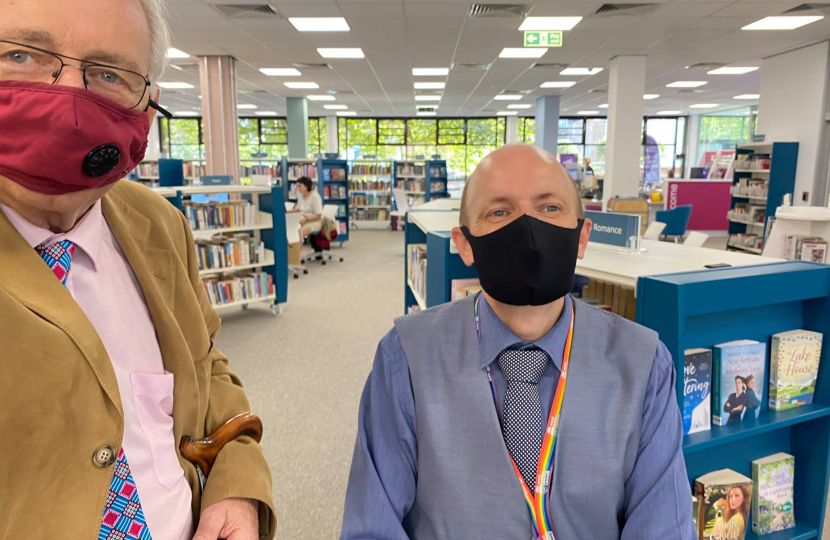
point(813, 249)
point(772, 494)
point(696, 514)
point(458, 287)
point(725, 500)
point(697, 395)
point(738, 369)
point(794, 359)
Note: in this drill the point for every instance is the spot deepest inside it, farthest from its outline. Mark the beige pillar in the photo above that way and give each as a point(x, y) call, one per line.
point(220, 124)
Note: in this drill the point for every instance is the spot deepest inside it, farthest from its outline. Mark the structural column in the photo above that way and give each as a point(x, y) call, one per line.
point(547, 123)
point(297, 112)
point(219, 116)
point(511, 131)
point(331, 136)
point(626, 84)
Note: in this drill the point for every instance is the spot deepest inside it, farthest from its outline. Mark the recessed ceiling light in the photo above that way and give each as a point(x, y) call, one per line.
point(319, 24)
point(703, 106)
point(782, 23)
point(588, 112)
point(429, 72)
point(748, 96)
point(430, 85)
point(302, 85)
point(245, 106)
point(651, 96)
point(508, 97)
point(686, 84)
point(281, 72)
point(549, 23)
point(507, 113)
point(521, 52)
point(669, 113)
point(336, 107)
point(558, 84)
point(519, 106)
point(580, 71)
point(176, 85)
point(266, 113)
point(427, 106)
point(427, 98)
point(321, 98)
point(426, 113)
point(347, 113)
point(186, 113)
point(603, 106)
point(178, 68)
point(176, 53)
point(341, 53)
point(731, 70)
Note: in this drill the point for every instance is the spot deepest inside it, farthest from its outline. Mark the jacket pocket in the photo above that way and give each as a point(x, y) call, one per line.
point(153, 395)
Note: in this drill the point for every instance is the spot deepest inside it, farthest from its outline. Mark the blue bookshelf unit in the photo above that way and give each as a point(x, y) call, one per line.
point(705, 308)
point(780, 180)
point(436, 172)
point(416, 177)
point(334, 180)
point(292, 170)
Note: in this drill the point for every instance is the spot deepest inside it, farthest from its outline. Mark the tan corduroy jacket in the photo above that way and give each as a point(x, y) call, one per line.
point(59, 399)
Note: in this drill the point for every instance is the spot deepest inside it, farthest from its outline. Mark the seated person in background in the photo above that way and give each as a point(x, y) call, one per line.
point(310, 204)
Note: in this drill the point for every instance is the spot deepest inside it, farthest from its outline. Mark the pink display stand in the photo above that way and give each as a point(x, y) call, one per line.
point(710, 199)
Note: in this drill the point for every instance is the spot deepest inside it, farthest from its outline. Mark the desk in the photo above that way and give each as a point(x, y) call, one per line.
point(438, 205)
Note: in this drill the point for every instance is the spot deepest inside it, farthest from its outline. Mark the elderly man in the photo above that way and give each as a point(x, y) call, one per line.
point(467, 403)
point(108, 355)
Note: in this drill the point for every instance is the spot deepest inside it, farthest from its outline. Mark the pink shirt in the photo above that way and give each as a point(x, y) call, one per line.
point(105, 287)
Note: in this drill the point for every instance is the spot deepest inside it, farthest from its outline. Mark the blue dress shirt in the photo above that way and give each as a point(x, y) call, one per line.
point(384, 473)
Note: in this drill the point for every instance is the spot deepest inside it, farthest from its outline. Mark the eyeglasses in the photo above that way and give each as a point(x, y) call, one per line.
point(20, 62)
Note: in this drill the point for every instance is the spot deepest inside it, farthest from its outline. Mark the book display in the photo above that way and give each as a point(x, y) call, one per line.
point(334, 189)
point(794, 363)
point(772, 494)
point(370, 189)
point(738, 371)
point(724, 502)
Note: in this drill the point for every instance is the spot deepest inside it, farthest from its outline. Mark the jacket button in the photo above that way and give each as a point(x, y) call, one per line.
point(102, 160)
point(104, 457)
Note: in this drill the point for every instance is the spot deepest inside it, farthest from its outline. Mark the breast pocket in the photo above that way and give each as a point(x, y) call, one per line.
point(153, 395)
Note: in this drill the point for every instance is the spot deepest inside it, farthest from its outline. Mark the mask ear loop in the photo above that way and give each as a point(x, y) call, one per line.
point(167, 114)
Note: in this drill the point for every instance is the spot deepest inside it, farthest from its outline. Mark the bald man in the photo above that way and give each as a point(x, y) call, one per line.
point(469, 402)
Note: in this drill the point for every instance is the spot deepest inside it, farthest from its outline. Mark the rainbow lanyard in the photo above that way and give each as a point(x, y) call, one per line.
point(537, 501)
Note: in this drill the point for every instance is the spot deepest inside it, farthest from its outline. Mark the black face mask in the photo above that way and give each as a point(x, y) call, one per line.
point(528, 262)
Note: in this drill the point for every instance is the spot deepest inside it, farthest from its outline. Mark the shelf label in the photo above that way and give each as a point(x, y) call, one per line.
point(217, 180)
point(614, 229)
point(543, 38)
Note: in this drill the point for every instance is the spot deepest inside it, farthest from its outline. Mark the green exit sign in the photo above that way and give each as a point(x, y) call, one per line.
point(543, 39)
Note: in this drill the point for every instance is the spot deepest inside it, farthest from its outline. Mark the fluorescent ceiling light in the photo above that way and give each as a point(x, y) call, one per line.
point(266, 113)
point(651, 96)
point(519, 106)
point(427, 106)
point(429, 72)
point(580, 71)
point(341, 53)
point(782, 23)
point(245, 106)
point(336, 107)
point(508, 97)
point(281, 72)
point(669, 113)
point(347, 113)
point(748, 96)
point(176, 53)
point(603, 106)
point(686, 84)
point(731, 70)
point(430, 85)
point(319, 24)
point(703, 106)
point(507, 113)
point(176, 85)
point(302, 85)
point(187, 113)
point(521, 52)
point(558, 84)
point(321, 98)
point(427, 98)
point(588, 112)
point(426, 113)
point(549, 23)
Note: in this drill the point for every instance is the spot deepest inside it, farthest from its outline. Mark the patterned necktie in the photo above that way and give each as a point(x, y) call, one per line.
point(58, 257)
point(123, 517)
point(522, 415)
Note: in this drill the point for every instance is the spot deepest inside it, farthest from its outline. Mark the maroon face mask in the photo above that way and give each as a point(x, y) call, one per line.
point(61, 139)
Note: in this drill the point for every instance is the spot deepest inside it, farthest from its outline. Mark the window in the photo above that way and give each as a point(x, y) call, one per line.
point(317, 136)
point(392, 132)
point(358, 137)
point(663, 152)
point(181, 138)
point(526, 130)
point(265, 138)
point(421, 132)
point(451, 131)
point(724, 131)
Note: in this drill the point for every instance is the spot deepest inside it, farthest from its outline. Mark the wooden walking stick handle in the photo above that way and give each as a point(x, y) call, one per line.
point(203, 452)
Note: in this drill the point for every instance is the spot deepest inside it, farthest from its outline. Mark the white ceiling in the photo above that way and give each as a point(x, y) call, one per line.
point(397, 35)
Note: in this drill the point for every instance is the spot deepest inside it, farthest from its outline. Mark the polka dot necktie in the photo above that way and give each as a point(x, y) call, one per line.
point(522, 412)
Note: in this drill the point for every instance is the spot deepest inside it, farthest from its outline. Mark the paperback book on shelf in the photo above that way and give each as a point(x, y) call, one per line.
point(222, 252)
point(218, 215)
point(697, 395)
point(738, 381)
point(772, 496)
point(794, 360)
point(725, 499)
point(227, 289)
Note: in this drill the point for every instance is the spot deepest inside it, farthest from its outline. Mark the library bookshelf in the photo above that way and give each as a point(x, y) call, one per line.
point(334, 189)
point(422, 180)
point(370, 193)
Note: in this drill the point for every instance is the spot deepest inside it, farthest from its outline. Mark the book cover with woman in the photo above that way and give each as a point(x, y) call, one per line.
point(726, 497)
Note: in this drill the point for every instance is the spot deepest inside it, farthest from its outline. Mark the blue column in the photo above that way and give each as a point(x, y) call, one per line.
point(547, 123)
point(297, 112)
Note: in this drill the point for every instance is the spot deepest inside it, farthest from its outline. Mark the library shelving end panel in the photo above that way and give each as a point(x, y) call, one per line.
point(324, 168)
point(412, 235)
point(443, 267)
point(276, 240)
point(781, 176)
point(705, 308)
point(435, 171)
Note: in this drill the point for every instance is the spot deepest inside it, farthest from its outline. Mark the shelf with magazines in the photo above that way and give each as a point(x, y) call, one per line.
point(709, 311)
point(241, 244)
point(334, 189)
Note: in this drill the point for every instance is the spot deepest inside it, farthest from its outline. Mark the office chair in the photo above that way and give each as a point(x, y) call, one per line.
point(321, 244)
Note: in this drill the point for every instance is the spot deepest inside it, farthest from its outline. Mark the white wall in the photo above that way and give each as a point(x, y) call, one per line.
point(792, 109)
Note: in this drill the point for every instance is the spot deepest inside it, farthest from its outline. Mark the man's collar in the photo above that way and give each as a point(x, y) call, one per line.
point(496, 336)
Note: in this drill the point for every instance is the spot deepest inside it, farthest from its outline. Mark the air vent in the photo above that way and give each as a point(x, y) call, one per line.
point(708, 66)
point(824, 9)
point(501, 11)
point(246, 11)
point(550, 65)
point(304, 65)
point(471, 67)
point(625, 10)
